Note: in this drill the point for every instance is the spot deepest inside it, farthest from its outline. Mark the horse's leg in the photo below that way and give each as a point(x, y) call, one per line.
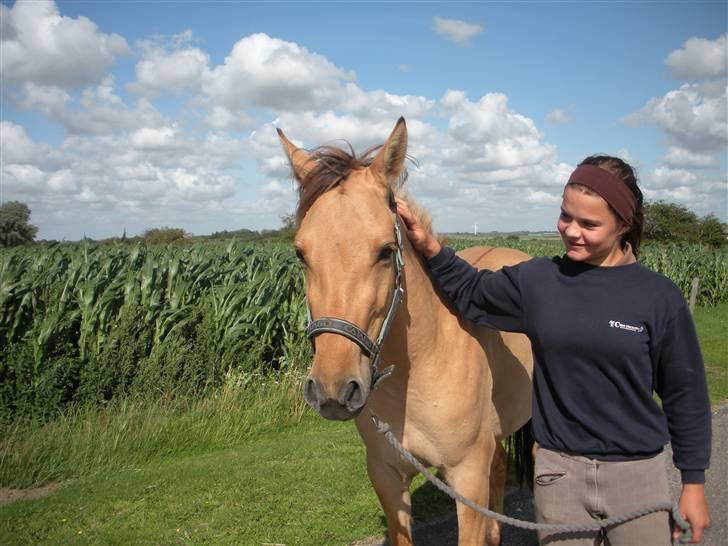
point(471, 478)
point(498, 474)
point(392, 487)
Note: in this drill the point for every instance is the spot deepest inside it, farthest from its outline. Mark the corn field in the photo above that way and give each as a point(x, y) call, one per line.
point(679, 262)
point(86, 323)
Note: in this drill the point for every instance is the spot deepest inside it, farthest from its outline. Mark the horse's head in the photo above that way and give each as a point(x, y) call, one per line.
point(347, 243)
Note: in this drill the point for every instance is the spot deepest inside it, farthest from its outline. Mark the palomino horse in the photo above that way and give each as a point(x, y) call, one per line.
point(456, 389)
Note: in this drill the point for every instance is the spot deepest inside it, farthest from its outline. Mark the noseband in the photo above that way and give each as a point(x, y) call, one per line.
point(351, 331)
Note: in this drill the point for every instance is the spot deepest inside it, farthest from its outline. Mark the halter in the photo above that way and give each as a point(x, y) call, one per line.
point(351, 331)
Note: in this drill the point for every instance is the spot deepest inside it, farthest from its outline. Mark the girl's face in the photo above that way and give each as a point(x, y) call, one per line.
point(590, 231)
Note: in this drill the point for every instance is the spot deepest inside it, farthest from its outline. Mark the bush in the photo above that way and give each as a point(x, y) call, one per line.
point(164, 235)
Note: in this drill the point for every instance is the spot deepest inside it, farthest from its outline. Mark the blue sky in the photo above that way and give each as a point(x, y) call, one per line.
point(133, 115)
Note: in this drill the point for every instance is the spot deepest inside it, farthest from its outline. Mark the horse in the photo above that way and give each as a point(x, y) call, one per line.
point(455, 390)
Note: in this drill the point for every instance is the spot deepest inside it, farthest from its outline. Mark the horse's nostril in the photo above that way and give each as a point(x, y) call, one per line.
point(310, 393)
point(353, 396)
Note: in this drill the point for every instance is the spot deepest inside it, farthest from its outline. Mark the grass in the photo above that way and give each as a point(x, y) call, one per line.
point(712, 326)
point(248, 466)
point(300, 486)
point(86, 440)
point(304, 486)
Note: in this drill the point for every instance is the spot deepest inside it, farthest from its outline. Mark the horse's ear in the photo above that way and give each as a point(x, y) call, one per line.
point(299, 158)
point(390, 159)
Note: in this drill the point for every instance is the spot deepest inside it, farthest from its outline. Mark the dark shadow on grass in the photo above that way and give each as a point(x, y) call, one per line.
point(431, 508)
point(429, 503)
point(435, 520)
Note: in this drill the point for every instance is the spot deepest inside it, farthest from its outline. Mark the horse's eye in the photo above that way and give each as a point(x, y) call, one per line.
point(385, 254)
point(299, 255)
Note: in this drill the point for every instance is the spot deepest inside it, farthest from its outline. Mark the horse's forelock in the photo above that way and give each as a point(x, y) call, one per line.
point(332, 166)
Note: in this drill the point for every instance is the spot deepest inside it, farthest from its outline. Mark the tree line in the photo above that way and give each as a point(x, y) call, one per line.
point(663, 222)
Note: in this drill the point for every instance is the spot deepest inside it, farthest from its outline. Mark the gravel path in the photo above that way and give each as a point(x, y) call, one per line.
point(519, 503)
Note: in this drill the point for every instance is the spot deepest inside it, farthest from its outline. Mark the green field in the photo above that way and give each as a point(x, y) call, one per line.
point(249, 466)
point(286, 476)
point(126, 386)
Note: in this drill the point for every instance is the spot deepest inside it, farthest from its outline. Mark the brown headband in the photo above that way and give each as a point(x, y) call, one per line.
point(608, 186)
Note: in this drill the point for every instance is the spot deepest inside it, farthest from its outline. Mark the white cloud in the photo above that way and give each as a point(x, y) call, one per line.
point(701, 192)
point(703, 195)
point(456, 30)
point(261, 71)
point(542, 197)
point(382, 106)
point(311, 129)
point(489, 136)
point(26, 179)
point(677, 157)
point(700, 59)
point(98, 111)
point(197, 184)
point(695, 116)
point(493, 169)
point(169, 65)
point(222, 118)
point(63, 180)
point(19, 149)
point(154, 138)
point(559, 116)
point(149, 170)
point(268, 72)
point(42, 47)
point(47, 99)
point(626, 155)
point(695, 119)
point(664, 177)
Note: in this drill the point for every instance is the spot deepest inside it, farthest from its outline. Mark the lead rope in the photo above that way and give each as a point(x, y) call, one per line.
point(685, 537)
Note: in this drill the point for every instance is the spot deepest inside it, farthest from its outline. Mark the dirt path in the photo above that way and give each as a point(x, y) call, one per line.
point(8, 495)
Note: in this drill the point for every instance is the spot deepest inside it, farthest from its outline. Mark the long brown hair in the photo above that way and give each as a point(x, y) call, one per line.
point(626, 173)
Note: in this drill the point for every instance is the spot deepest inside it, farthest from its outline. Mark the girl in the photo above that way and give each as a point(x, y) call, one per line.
point(606, 332)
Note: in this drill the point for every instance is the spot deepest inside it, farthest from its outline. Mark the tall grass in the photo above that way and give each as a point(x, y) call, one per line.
point(127, 432)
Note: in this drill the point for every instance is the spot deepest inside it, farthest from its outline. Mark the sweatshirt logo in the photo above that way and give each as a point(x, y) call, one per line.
point(629, 328)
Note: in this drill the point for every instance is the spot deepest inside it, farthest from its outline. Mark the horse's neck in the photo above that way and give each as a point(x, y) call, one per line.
point(418, 322)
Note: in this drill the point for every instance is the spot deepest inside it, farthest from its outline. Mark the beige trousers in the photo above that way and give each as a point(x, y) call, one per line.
point(571, 489)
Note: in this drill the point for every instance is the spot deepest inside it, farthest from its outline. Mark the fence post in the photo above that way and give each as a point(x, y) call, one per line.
point(694, 286)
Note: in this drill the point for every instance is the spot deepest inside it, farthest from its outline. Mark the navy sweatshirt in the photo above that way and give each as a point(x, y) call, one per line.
point(603, 338)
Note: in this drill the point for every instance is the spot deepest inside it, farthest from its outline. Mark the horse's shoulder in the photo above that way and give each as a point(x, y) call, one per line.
point(492, 257)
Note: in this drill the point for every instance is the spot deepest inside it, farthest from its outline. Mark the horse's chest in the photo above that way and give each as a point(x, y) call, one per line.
point(441, 436)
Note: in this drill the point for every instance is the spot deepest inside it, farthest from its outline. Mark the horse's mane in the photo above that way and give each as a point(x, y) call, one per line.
point(332, 165)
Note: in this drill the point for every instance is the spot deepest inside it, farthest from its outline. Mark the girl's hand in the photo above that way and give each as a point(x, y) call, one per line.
point(421, 239)
point(693, 508)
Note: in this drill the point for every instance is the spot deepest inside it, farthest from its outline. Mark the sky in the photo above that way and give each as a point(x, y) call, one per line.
point(125, 116)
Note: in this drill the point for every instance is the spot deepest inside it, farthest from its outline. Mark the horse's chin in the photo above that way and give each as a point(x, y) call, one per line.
point(337, 412)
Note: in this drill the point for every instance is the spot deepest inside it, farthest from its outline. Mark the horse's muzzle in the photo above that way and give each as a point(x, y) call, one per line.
point(351, 398)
